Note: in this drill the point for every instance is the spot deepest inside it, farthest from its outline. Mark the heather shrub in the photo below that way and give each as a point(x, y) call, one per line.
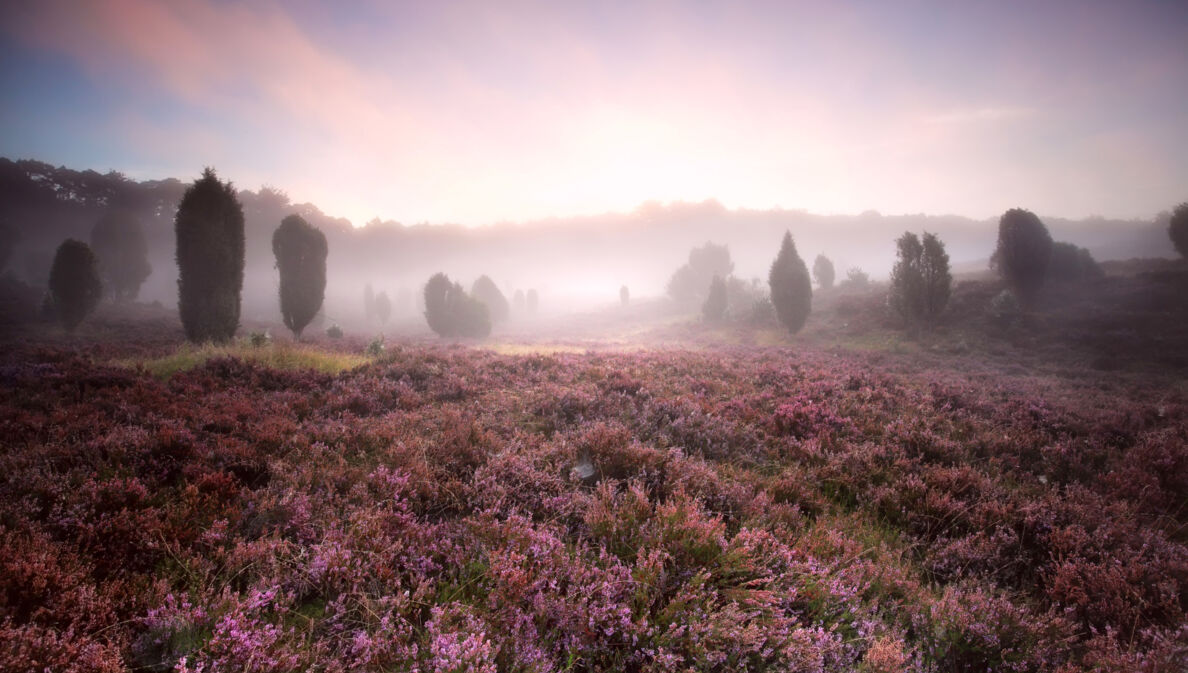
point(300, 251)
point(1023, 253)
point(210, 257)
point(74, 283)
point(714, 307)
point(791, 290)
point(119, 245)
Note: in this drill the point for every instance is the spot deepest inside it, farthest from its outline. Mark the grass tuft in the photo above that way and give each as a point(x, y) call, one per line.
point(274, 355)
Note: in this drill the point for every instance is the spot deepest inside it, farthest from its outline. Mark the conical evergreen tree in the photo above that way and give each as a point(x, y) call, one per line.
point(791, 289)
point(210, 247)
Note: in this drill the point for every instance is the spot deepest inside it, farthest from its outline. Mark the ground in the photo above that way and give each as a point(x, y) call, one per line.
point(623, 490)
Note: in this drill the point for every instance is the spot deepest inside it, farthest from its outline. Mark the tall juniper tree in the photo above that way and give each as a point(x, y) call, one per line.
point(791, 289)
point(300, 250)
point(210, 248)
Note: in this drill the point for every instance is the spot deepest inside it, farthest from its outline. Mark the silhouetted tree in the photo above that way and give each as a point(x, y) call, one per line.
point(210, 247)
point(471, 318)
point(624, 295)
point(938, 279)
point(906, 295)
point(714, 307)
point(791, 289)
point(1177, 229)
point(450, 311)
point(383, 307)
point(368, 302)
point(74, 283)
point(485, 290)
point(1069, 263)
point(300, 250)
point(823, 272)
point(532, 301)
point(691, 281)
point(1024, 249)
point(118, 242)
point(437, 311)
point(920, 280)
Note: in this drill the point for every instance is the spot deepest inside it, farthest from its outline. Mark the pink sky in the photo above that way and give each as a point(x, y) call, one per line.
point(478, 112)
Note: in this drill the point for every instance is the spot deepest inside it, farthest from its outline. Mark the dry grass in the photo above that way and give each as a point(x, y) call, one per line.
point(275, 355)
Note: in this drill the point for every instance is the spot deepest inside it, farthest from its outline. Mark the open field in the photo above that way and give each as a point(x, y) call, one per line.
point(659, 496)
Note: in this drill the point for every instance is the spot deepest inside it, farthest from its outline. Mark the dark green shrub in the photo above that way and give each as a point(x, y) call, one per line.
point(74, 283)
point(300, 250)
point(119, 244)
point(450, 311)
point(714, 308)
point(485, 290)
point(210, 248)
point(1069, 263)
point(1023, 252)
point(823, 272)
point(791, 289)
point(1177, 229)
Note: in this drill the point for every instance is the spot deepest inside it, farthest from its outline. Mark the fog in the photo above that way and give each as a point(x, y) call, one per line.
point(575, 264)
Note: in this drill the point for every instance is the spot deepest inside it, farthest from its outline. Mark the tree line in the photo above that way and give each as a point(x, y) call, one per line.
point(210, 249)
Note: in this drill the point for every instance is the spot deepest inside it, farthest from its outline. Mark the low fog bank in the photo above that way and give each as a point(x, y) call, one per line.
point(574, 264)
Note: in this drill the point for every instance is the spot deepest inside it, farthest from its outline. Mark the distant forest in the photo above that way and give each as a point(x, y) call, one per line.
point(561, 256)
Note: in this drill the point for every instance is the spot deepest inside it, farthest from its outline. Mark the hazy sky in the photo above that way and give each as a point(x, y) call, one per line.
point(474, 112)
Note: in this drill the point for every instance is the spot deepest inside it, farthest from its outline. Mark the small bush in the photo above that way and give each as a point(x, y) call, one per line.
point(334, 332)
point(1070, 264)
point(823, 272)
point(451, 312)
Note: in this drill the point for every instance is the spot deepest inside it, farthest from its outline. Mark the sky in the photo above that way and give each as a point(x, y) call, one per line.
point(478, 112)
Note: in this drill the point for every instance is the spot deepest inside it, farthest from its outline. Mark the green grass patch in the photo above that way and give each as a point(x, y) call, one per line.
point(273, 356)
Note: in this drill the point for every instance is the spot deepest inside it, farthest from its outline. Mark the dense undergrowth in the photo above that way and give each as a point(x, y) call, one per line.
point(748, 509)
